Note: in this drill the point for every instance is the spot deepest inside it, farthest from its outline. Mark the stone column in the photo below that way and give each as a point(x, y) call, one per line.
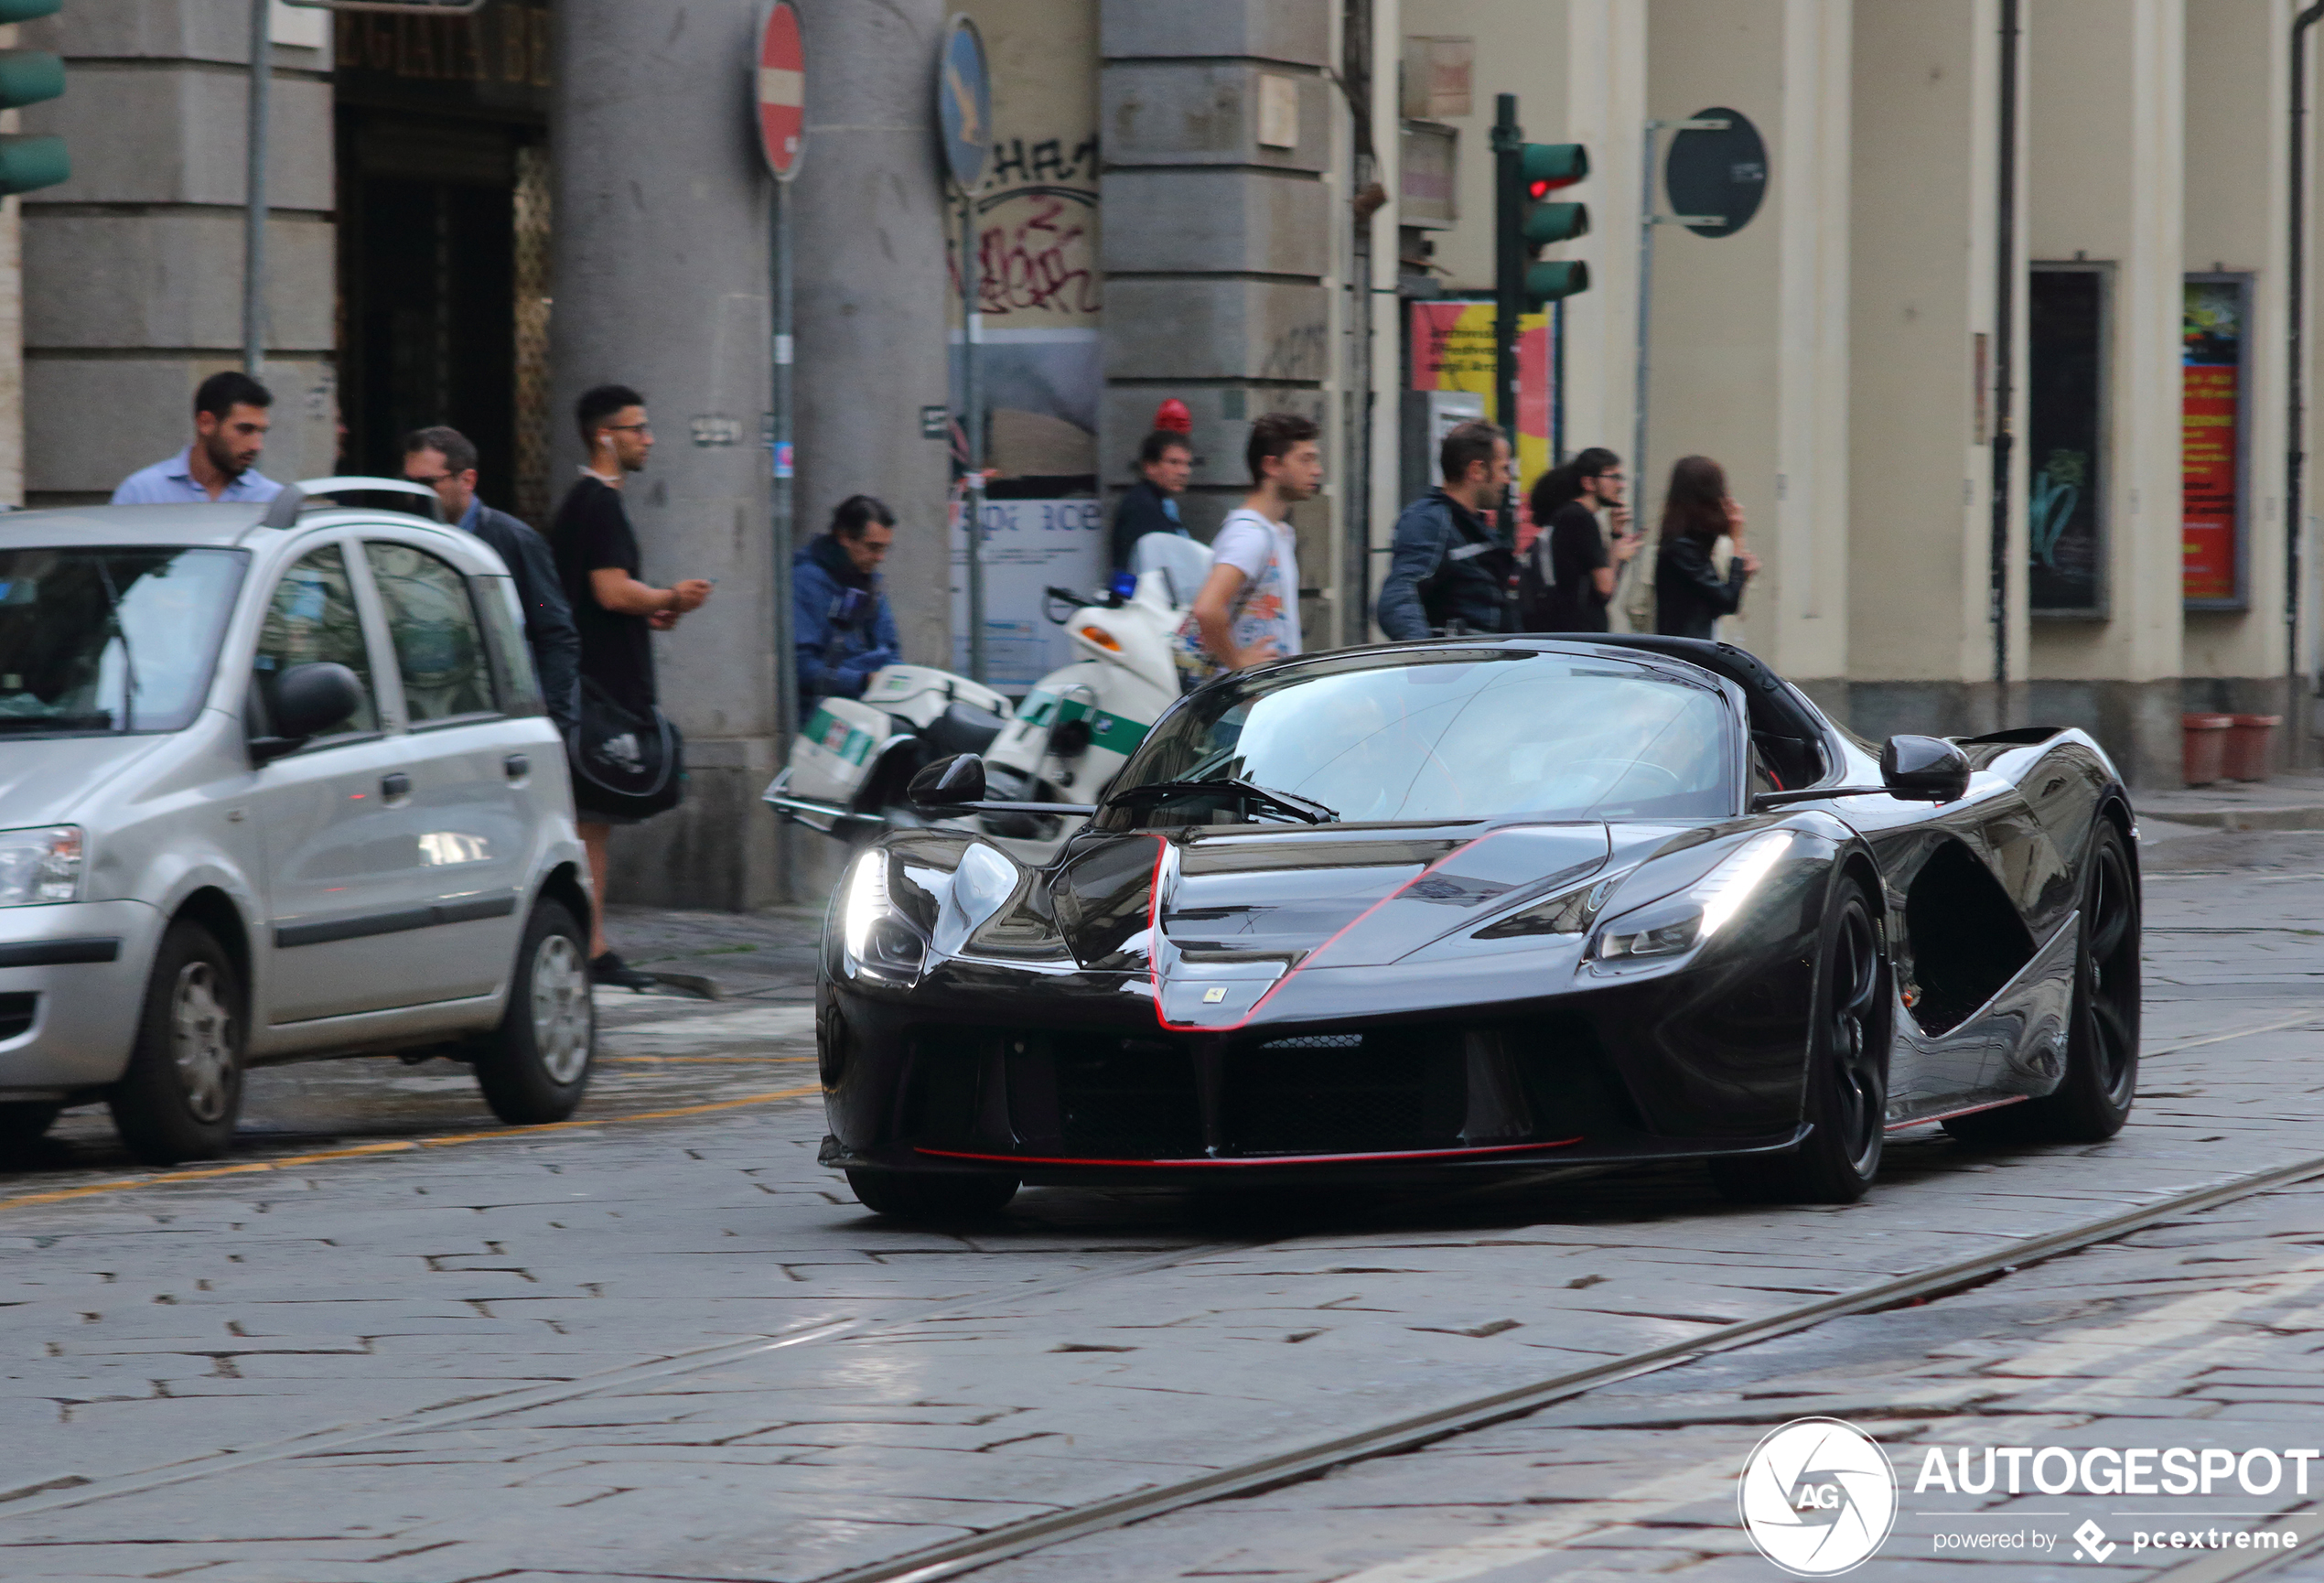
point(1922, 275)
point(1749, 351)
point(1218, 234)
point(661, 283)
point(132, 270)
point(2105, 120)
point(873, 291)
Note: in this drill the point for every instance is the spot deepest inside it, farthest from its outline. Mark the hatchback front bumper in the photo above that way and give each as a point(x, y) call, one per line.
point(73, 983)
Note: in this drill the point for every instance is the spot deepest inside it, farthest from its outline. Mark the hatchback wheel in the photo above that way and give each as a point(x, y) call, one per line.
point(183, 1091)
point(535, 1067)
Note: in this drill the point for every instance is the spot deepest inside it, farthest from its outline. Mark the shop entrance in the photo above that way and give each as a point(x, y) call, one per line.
point(442, 245)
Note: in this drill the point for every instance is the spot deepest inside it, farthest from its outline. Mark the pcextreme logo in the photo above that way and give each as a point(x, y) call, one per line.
point(1817, 1497)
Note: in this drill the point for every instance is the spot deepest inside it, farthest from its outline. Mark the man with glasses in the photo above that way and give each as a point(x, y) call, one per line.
point(445, 460)
point(1570, 572)
point(617, 612)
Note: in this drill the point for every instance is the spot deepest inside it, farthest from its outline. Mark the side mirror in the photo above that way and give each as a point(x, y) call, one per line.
point(949, 783)
point(307, 701)
point(1924, 769)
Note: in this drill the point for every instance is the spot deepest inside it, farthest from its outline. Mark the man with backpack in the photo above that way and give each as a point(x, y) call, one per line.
point(1447, 568)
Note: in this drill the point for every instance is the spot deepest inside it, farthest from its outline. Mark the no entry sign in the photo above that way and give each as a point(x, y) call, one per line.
point(783, 92)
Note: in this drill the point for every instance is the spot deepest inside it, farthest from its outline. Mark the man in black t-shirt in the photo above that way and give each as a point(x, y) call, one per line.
point(616, 611)
point(1572, 567)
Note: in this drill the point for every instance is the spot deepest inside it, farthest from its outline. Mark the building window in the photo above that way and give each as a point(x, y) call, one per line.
point(2065, 461)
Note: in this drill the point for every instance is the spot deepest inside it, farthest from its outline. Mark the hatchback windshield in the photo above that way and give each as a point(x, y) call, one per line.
point(109, 640)
point(1477, 733)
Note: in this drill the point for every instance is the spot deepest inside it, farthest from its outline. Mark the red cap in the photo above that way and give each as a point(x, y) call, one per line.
point(1174, 413)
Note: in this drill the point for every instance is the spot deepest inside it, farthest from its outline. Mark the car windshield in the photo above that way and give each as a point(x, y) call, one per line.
point(97, 640)
point(1472, 734)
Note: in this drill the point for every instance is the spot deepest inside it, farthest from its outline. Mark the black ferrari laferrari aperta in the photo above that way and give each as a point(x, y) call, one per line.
point(1490, 904)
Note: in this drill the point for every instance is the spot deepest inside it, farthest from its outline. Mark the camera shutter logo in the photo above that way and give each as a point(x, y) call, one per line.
point(1817, 1497)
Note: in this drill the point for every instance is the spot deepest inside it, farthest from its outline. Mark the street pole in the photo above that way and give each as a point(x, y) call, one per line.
point(973, 431)
point(262, 76)
point(783, 466)
point(1645, 322)
point(1508, 281)
point(2296, 396)
point(2004, 330)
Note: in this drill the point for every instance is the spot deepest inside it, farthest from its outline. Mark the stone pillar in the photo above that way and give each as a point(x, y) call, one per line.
point(873, 291)
point(1922, 278)
point(132, 269)
point(661, 283)
point(1219, 233)
point(1749, 351)
point(2105, 118)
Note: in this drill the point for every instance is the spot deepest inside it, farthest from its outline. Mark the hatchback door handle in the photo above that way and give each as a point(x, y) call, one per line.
point(396, 785)
point(517, 765)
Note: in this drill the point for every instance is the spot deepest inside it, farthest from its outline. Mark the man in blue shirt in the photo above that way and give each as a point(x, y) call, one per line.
point(230, 431)
point(445, 460)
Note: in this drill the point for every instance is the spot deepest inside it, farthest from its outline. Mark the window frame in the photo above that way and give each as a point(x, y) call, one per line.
point(385, 702)
point(369, 534)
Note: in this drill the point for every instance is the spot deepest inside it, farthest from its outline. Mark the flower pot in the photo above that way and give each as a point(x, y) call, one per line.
point(2250, 747)
point(2206, 746)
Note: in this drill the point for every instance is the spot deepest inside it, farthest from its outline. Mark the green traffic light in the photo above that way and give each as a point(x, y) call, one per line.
point(28, 164)
point(30, 76)
point(1547, 222)
point(1545, 283)
point(27, 10)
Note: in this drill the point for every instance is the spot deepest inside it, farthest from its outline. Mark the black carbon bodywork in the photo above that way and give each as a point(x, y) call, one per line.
point(1281, 1000)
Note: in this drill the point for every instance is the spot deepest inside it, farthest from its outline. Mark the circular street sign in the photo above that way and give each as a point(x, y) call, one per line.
point(783, 92)
point(1718, 175)
point(964, 101)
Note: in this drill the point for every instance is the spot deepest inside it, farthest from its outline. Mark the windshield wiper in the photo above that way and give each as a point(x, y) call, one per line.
point(1299, 808)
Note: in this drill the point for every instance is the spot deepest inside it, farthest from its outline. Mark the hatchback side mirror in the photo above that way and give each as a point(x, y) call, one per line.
point(1924, 769)
point(307, 700)
point(949, 783)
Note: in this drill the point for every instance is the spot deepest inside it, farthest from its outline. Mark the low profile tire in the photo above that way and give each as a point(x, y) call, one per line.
point(535, 1066)
point(1848, 1077)
point(2093, 1099)
point(931, 1197)
point(183, 1091)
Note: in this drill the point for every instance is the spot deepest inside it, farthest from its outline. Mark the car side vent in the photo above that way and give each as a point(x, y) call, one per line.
point(17, 1012)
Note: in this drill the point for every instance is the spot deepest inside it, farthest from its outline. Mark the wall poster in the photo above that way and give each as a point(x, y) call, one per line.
point(2065, 452)
point(1452, 348)
point(2212, 441)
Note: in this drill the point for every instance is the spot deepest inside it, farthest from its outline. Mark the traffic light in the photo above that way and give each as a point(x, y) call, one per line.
point(1542, 168)
point(29, 77)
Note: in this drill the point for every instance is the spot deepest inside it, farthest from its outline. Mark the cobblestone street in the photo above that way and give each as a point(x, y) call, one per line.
point(388, 1340)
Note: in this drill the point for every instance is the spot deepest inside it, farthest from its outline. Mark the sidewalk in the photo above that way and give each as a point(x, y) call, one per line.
point(764, 957)
point(2293, 801)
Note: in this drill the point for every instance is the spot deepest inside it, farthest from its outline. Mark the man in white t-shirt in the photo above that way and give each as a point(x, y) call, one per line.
point(1248, 610)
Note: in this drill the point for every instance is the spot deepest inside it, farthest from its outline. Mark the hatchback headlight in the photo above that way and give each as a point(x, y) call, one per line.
point(39, 867)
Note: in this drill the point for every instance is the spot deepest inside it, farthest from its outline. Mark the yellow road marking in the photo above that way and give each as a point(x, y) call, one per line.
point(398, 1146)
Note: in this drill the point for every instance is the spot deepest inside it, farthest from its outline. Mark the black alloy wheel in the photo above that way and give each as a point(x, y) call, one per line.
point(947, 1197)
point(1846, 1080)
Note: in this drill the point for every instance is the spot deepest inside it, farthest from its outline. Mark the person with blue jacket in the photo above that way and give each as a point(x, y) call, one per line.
point(842, 626)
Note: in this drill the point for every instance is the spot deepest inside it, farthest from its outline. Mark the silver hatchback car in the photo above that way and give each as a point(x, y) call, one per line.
point(275, 784)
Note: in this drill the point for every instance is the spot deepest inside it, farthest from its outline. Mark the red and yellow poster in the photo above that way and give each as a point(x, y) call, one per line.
point(2210, 510)
point(1452, 348)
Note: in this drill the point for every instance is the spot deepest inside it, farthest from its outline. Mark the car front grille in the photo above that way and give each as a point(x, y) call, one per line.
point(1125, 1098)
point(1346, 1094)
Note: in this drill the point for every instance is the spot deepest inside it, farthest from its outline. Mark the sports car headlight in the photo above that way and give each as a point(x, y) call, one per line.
point(876, 935)
point(1677, 924)
point(37, 867)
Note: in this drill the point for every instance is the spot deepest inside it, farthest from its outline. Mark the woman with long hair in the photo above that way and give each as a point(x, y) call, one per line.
point(1689, 594)
point(1568, 575)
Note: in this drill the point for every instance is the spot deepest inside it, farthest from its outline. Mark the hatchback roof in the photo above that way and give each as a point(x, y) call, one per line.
point(65, 526)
